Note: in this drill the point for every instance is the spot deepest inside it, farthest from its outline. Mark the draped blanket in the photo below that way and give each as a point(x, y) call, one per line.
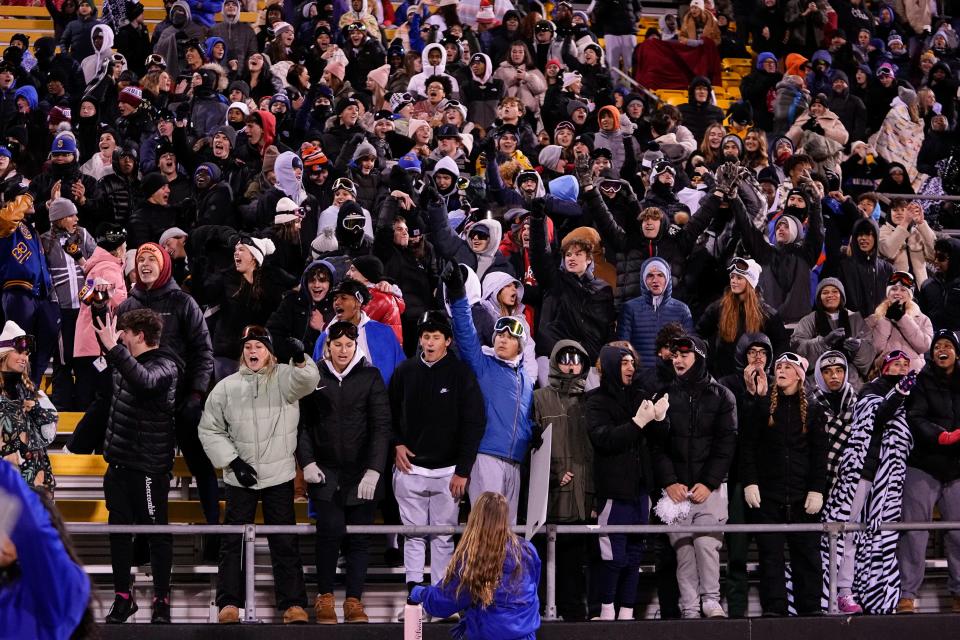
point(672, 65)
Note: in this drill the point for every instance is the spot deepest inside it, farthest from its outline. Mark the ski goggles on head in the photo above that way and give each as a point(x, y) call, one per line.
point(902, 278)
point(345, 183)
point(451, 104)
point(20, 344)
point(155, 59)
point(565, 124)
point(893, 356)
point(685, 345)
point(340, 329)
point(738, 265)
point(570, 356)
point(512, 325)
point(789, 356)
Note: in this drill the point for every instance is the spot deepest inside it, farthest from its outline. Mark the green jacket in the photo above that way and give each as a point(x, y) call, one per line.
point(255, 416)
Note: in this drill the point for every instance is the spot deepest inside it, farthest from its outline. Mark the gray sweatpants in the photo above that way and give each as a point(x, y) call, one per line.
point(491, 473)
point(425, 501)
point(847, 565)
point(698, 556)
point(921, 492)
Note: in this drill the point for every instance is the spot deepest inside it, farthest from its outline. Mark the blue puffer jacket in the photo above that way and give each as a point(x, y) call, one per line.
point(507, 391)
point(640, 320)
point(514, 613)
point(48, 599)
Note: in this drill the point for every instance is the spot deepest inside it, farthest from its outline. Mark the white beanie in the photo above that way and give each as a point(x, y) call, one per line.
point(752, 274)
point(697, 3)
point(569, 77)
point(286, 209)
point(260, 248)
point(240, 105)
point(11, 330)
point(172, 232)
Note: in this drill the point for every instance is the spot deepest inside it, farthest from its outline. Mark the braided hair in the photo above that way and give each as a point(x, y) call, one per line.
point(774, 398)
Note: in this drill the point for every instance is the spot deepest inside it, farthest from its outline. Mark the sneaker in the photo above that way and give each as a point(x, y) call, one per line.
point(353, 611)
point(229, 615)
point(713, 609)
point(122, 609)
point(161, 611)
point(849, 606)
point(907, 605)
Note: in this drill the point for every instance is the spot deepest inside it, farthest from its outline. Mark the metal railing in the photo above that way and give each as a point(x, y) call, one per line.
point(251, 531)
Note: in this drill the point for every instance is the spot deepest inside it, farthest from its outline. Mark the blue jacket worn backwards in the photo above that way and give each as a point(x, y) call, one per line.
point(642, 317)
point(49, 597)
point(507, 391)
point(22, 264)
point(514, 613)
point(378, 343)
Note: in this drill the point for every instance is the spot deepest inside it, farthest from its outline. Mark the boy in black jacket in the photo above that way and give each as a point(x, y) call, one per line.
point(438, 420)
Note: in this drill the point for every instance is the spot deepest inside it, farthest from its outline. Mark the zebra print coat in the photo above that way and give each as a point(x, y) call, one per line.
point(876, 583)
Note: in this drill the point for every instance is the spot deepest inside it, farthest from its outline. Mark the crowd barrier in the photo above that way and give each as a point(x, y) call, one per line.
point(251, 531)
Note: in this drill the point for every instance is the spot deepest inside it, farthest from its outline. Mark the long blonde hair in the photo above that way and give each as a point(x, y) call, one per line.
point(709, 155)
point(478, 561)
point(753, 314)
point(27, 382)
point(774, 396)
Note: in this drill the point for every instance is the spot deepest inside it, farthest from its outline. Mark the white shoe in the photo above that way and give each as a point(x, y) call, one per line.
point(400, 614)
point(690, 615)
point(607, 612)
point(713, 610)
point(625, 613)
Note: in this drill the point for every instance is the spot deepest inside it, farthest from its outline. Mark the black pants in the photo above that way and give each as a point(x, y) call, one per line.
point(288, 584)
point(95, 388)
point(571, 579)
point(806, 572)
point(332, 520)
point(737, 545)
point(187, 418)
point(134, 497)
point(64, 395)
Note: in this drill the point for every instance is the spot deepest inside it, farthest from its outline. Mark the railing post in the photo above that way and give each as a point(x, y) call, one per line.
point(551, 608)
point(832, 570)
point(250, 573)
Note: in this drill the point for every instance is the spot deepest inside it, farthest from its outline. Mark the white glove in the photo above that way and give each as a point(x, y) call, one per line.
point(313, 475)
point(368, 485)
point(660, 407)
point(645, 414)
point(813, 503)
point(751, 494)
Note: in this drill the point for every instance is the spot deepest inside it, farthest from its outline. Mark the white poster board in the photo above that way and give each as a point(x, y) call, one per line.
point(539, 484)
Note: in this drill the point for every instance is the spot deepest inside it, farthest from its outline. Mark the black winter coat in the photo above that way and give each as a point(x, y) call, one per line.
point(623, 467)
point(184, 330)
point(119, 196)
point(723, 354)
point(362, 61)
point(934, 407)
point(785, 460)
point(864, 276)
point(140, 430)
point(292, 320)
point(149, 221)
point(702, 437)
point(346, 430)
point(574, 308)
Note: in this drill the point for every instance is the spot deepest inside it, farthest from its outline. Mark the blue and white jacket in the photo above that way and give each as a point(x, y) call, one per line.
point(22, 263)
point(378, 343)
point(507, 390)
point(641, 319)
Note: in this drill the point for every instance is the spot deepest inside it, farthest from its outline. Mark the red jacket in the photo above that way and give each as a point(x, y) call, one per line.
point(386, 309)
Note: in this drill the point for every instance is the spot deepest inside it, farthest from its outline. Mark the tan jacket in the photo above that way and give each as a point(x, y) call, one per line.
point(711, 30)
point(908, 249)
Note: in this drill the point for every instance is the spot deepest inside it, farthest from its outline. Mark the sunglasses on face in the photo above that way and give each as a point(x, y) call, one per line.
point(20, 344)
point(570, 356)
point(477, 233)
point(511, 325)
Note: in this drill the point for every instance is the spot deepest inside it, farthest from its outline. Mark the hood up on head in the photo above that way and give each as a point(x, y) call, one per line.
point(567, 383)
point(748, 340)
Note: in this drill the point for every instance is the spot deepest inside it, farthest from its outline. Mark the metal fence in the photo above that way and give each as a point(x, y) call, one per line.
point(251, 531)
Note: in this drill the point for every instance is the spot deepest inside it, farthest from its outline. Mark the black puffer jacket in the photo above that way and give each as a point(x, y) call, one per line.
point(119, 195)
point(934, 407)
point(346, 429)
point(633, 249)
point(140, 432)
point(697, 116)
point(786, 460)
point(623, 469)
point(149, 221)
point(574, 308)
point(864, 276)
point(184, 330)
point(702, 436)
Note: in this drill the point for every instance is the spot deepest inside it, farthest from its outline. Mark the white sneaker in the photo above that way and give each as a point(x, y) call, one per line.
point(713, 609)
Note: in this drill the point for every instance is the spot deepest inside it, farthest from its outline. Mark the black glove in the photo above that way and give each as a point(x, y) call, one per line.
point(356, 139)
point(852, 345)
point(809, 124)
point(429, 196)
point(246, 475)
point(400, 181)
point(296, 350)
point(453, 279)
point(536, 439)
point(538, 208)
point(192, 410)
point(72, 248)
point(906, 383)
point(489, 146)
point(835, 337)
point(895, 311)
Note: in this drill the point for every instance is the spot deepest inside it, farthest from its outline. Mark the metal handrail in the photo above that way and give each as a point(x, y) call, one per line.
point(250, 532)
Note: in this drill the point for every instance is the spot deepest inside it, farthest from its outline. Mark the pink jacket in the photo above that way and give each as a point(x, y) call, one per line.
point(913, 333)
point(107, 267)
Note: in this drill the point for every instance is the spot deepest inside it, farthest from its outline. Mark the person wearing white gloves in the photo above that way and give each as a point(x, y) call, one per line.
point(342, 448)
point(783, 467)
point(249, 429)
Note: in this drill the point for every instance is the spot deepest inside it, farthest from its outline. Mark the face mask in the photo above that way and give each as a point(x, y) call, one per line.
point(797, 212)
point(178, 18)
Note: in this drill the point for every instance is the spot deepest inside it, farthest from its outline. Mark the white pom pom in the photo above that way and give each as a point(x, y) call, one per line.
point(671, 512)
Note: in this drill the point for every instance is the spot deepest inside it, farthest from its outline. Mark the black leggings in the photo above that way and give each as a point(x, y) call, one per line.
point(332, 519)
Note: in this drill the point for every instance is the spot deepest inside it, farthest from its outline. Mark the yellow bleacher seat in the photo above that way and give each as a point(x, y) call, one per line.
point(68, 420)
point(723, 103)
point(733, 92)
point(65, 464)
point(178, 511)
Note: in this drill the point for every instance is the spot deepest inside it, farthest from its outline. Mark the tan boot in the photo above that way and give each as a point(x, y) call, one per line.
point(353, 611)
point(295, 615)
point(907, 605)
point(323, 607)
point(955, 607)
point(229, 615)
point(299, 487)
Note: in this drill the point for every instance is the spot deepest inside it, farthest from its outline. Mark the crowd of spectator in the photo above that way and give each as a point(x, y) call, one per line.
point(369, 273)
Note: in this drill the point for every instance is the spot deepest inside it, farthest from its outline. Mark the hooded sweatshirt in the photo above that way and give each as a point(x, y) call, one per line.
point(642, 317)
point(418, 82)
point(493, 284)
point(94, 64)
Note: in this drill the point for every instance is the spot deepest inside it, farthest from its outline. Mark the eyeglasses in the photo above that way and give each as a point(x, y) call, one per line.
point(344, 183)
point(756, 352)
point(570, 356)
point(340, 329)
point(901, 278)
point(511, 325)
point(255, 332)
point(20, 344)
